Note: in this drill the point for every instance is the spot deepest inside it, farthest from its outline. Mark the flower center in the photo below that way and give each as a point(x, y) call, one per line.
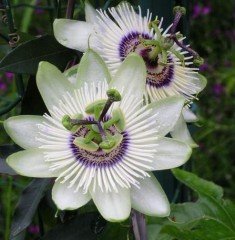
point(99, 134)
point(158, 73)
point(99, 157)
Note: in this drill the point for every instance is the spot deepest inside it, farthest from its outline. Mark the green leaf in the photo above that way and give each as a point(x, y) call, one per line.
point(209, 218)
point(205, 228)
point(4, 50)
point(84, 227)
point(27, 205)
point(199, 185)
point(209, 196)
point(5, 151)
point(26, 57)
point(117, 231)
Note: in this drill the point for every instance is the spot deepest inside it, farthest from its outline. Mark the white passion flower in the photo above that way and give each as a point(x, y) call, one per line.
point(119, 31)
point(99, 141)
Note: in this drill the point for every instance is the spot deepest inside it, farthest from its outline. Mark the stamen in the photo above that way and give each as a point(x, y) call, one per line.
point(179, 12)
point(70, 123)
point(113, 96)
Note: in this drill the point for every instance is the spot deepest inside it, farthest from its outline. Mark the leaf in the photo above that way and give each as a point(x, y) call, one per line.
point(209, 218)
point(205, 228)
point(83, 226)
point(27, 205)
point(5, 151)
point(120, 231)
point(199, 185)
point(26, 57)
point(4, 50)
point(209, 196)
point(32, 103)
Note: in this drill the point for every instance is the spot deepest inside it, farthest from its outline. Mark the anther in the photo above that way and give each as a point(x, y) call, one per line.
point(198, 61)
point(70, 123)
point(113, 96)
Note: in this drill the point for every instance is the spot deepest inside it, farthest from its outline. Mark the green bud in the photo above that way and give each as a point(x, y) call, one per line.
point(114, 95)
point(198, 61)
point(82, 143)
point(66, 122)
point(90, 109)
point(179, 9)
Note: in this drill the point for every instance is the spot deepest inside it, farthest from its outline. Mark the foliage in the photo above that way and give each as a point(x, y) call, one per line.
point(209, 218)
point(213, 35)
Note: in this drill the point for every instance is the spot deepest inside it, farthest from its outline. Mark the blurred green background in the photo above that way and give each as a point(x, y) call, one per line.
point(211, 33)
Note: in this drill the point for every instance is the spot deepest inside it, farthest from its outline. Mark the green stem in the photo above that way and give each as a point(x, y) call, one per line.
point(8, 208)
point(27, 16)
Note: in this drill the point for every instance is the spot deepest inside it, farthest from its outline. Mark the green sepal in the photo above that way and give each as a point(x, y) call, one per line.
point(117, 138)
point(81, 143)
point(121, 123)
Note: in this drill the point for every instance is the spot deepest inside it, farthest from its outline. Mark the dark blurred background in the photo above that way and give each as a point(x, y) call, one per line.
point(211, 31)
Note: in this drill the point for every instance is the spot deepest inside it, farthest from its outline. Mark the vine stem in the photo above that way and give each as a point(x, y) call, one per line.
point(139, 225)
point(70, 9)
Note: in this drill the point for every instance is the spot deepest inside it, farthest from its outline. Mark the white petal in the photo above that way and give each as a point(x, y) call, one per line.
point(150, 199)
point(66, 199)
point(170, 153)
point(200, 82)
point(23, 130)
point(30, 163)
point(114, 207)
point(188, 115)
point(168, 111)
point(52, 84)
point(92, 69)
point(131, 76)
point(72, 33)
point(90, 13)
point(182, 133)
point(71, 74)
